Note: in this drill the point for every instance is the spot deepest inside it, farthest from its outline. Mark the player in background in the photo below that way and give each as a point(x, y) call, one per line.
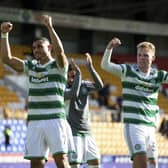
point(77, 91)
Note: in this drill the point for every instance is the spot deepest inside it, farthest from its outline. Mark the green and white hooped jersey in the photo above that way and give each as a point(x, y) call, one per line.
point(46, 90)
point(140, 94)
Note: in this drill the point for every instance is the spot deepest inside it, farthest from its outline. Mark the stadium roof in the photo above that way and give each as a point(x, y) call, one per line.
point(139, 10)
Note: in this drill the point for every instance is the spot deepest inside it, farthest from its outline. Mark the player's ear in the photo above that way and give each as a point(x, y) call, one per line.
point(50, 47)
point(153, 58)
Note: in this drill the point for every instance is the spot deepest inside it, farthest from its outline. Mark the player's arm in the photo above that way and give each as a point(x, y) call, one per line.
point(6, 55)
point(73, 92)
point(106, 63)
point(57, 47)
point(96, 77)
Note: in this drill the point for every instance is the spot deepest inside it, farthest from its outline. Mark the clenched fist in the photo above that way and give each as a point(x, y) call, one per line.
point(6, 27)
point(115, 42)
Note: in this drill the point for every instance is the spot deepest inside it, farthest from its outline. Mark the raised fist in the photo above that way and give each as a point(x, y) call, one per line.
point(88, 58)
point(6, 27)
point(115, 42)
point(46, 20)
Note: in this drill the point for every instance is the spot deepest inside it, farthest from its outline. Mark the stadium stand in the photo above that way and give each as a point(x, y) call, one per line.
point(11, 100)
point(17, 140)
point(110, 139)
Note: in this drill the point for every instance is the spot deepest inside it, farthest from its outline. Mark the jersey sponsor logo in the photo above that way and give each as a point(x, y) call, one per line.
point(144, 89)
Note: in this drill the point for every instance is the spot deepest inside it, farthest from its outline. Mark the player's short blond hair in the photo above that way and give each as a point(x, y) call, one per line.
point(147, 45)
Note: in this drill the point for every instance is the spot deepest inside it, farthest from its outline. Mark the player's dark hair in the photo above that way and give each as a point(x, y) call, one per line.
point(71, 67)
point(41, 39)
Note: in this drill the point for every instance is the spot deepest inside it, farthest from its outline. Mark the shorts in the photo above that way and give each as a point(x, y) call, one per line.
point(141, 139)
point(86, 148)
point(44, 136)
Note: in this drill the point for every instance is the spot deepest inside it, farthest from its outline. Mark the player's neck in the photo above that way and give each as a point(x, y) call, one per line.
point(44, 60)
point(144, 69)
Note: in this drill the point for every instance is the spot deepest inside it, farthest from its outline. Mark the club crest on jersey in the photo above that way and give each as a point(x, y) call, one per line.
point(153, 81)
point(34, 62)
point(84, 90)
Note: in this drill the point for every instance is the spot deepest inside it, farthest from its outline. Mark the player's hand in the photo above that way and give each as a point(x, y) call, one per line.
point(74, 65)
point(115, 42)
point(46, 20)
point(88, 58)
point(6, 27)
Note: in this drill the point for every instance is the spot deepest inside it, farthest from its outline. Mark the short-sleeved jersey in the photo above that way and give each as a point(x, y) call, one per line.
point(140, 94)
point(46, 90)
